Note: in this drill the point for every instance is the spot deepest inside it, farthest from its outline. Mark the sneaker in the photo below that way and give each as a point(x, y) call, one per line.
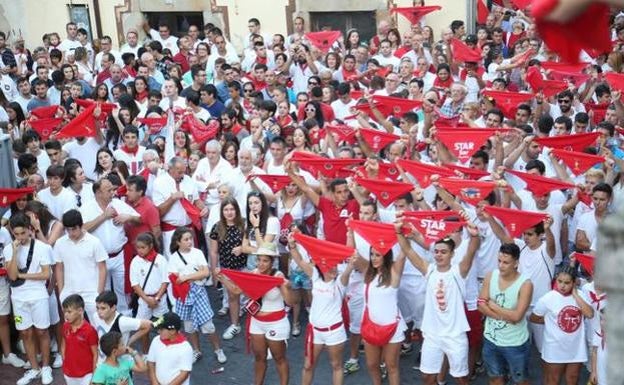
point(296, 330)
point(29, 376)
point(46, 375)
point(58, 361)
point(197, 355)
point(384, 371)
point(406, 349)
point(54, 346)
point(223, 311)
point(231, 331)
point(351, 367)
point(221, 356)
point(13, 360)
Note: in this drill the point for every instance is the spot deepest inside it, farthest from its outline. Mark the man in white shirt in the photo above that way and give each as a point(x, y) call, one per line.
point(107, 47)
point(171, 99)
point(342, 105)
point(163, 36)
point(254, 29)
point(385, 56)
point(104, 217)
point(80, 262)
point(238, 181)
point(169, 189)
point(69, 45)
point(24, 95)
point(130, 152)
point(221, 52)
point(84, 149)
point(28, 262)
point(211, 171)
point(56, 197)
point(132, 43)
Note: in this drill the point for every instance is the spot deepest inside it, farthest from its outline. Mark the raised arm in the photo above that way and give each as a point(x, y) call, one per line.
point(312, 195)
point(307, 267)
point(416, 259)
point(473, 246)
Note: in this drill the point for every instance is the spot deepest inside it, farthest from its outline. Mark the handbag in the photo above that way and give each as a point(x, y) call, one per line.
point(373, 333)
point(20, 281)
point(134, 297)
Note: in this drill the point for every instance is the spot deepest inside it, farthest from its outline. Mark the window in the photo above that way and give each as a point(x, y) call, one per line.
point(364, 22)
point(178, 22)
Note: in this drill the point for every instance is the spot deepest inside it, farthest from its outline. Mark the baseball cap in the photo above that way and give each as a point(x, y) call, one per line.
point(169, 321)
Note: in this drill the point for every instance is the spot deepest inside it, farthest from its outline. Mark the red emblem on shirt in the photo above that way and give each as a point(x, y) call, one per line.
point(569, 319)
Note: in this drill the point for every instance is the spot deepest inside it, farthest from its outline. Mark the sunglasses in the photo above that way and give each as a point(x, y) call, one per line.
point(248, 91)
point(310, 110)
point(313, 83)
point(564, 101)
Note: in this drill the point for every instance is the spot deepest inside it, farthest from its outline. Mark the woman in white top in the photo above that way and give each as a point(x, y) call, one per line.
point(326, 327)
point(261, 227)
point(76, 183)
point(562, 311)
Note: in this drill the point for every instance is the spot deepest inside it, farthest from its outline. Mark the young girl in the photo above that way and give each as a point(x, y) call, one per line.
point(151, 288)
point(562, 311)
point(226, 239)
point(117, 367)
point(188, 264)
point(325, 313)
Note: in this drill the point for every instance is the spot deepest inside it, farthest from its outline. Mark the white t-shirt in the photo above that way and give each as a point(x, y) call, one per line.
point(217, 174)
point(171, 42)
point(5, 239)
point(194, 260)
point(164, 187)
point(68, 47)
point(564, 329)
point(80, 261)
point(342, 110)
point(445, 316)
point(326, 308)
point(126, 325)
point(134, 162)
point(170, 360)
point(58, 204)
point(159, 275)
point(587, 222)
point(538, 267)
point(272, 228)
point(32, 289)
point(112, 236)
point(85, 153)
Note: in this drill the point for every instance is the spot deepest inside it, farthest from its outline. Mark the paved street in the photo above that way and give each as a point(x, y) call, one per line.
point(239, 368)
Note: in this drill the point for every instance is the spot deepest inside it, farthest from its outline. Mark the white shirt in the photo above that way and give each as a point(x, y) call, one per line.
point(538, 267)
point(164, 187)
point(126, 325)
point(342, 110)
point(205, 176)
point(98, 59)
point(326, 308)
point(112, 236)
point(444, 316)
point(389, 60)
point(170, 360)
point(80, 261)
point(68, 47)
point(587, 222)
point(134, 162)
point(58, 204)
point(171, 42)
point(32, 289)
point(241, 186)
point(195, 259)
point(159, 275)
point(85, 153)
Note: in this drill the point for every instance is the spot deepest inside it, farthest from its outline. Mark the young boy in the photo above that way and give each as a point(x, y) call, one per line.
point(108, 319)
point(116, 368)
point(131, 152)
point(79, 348)
point(170, 357)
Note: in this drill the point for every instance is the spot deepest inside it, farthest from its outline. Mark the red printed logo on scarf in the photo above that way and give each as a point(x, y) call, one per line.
point(569, 319)
point(285, 223)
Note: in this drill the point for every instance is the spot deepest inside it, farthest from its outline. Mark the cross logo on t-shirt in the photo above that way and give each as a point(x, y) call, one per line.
point(569, 319)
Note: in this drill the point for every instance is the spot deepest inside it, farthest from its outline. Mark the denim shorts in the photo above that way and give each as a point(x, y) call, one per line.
point(299, 280)
point(503, 360)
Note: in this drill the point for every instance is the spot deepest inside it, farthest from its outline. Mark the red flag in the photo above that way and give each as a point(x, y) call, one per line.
point(345, 133)
point(564, 67)
point(81, 125)
point(390, 105)
point(575, 78)
point(433, 225)
point(386, 171)
point(579, 162)
point(463, 53)
point(381, 236)
point(105, 107)
point(414, 14)
point(599, 111)
point(444, 120)
point(587, 261)
point(516, 221)
point(45, 112)
point(462, 143)
point(521, 4)
point(577, 142)
point(201, 133)
point(45, 126)
point(253, 285)
point(10, 195)
point(469, 172)
point(422, 172)
point(584, 197)
point(469, 191)
point(326, 255)
point(385, 191)
point(588, 30)
point(540, 185)
point(548, 87)
point(180, 290)
point(323, 40)
point(315, 164)
point(154, 125)
point(615, 80)
point(482, 12)
point(383, 71)
point(377, 140)
point(508, 101)
point(193, 212)
point(275, 182)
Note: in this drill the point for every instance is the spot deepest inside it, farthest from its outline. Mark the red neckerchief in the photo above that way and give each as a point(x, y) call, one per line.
point(261, 60)
point(130, 151)
point(285, 120)
point(177, 340)
point(151, 256)
point(247, 105)
point(348, 76)
point(443, 83)
point(258, 85)
point(236, 128)
point(145, 173)
point(597, 298)
point(140, 96)
point(565, 295)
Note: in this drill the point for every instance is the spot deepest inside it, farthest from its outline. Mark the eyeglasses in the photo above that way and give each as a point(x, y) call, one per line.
point(566, 101)
point(247, 91)
point(313, 83)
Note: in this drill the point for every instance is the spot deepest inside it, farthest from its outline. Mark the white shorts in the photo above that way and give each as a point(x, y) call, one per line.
point(333, 337)
point(207, 328)
point(273, 331)
point(5, 297)
point(31, 313)
point(355, 303)
point(54, 311)
point(86, 380)
point(412, 298)
point(145, 312)
point(435, 348)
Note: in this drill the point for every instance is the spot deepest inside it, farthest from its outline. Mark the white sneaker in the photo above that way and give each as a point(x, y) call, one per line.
point(197, 355)
point(13, 360)
point(221, 356)
point(58, 361)
point(30, 375)
point(223, 311)
point(53, 346)
point(46, 375)
point(231, 331)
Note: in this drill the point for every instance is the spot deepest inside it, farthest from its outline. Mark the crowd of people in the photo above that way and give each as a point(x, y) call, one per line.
point(413, 194)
